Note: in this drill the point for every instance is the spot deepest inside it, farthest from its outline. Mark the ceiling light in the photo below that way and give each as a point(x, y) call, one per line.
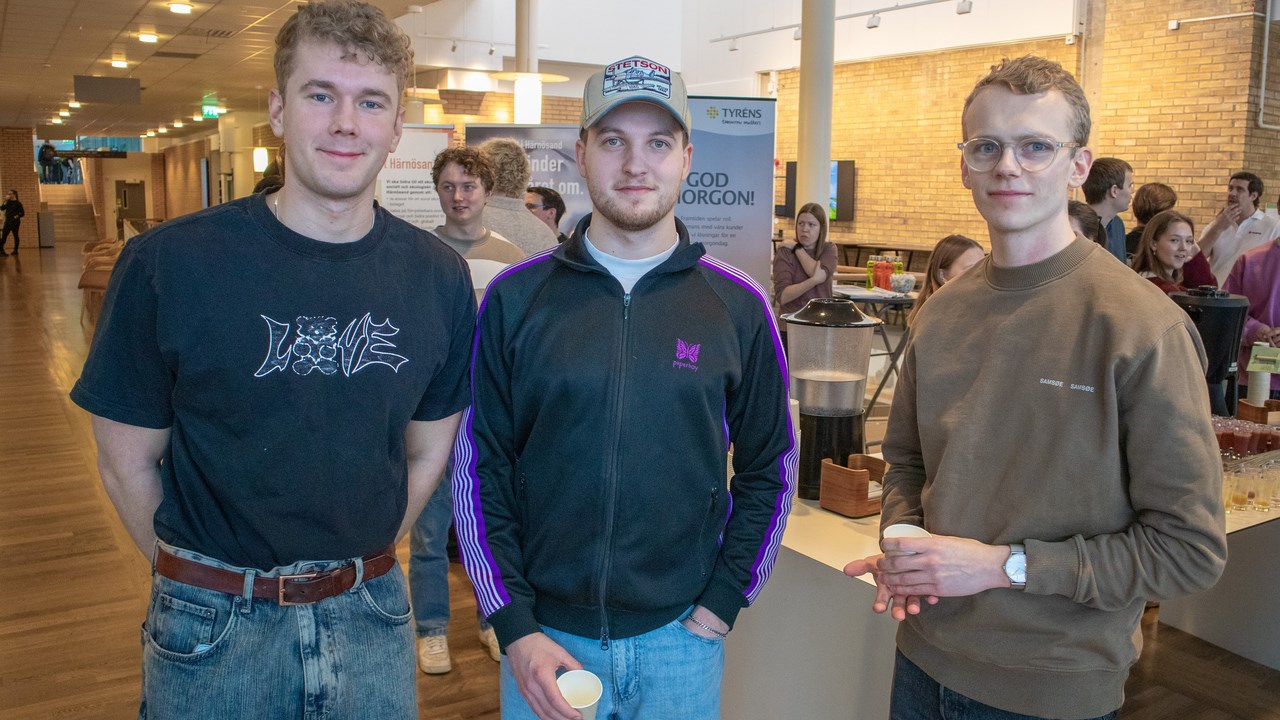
point(64, 113)
point(178, 124)
point(151, 133)
point(197, 118)
point(118, 63)
point(964, 7)
point(162, 129)
point(73, 105)
point(56, 121)
point(873, 21)
point(181, 8)
point(491, 48)
point(454, 47)
point(733, 45)
point(147, 37)
point(796, 35)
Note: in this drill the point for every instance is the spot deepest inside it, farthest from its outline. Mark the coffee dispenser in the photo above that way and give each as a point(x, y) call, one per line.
point(1219, 316)
point(828, 350)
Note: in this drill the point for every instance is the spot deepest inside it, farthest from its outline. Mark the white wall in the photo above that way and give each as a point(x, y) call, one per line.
point(711, 69)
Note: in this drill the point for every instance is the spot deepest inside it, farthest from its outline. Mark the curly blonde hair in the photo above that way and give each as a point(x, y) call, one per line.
point(510, 166)
point(358, 27)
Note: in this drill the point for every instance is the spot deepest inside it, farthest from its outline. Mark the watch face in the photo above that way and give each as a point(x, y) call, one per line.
point(1016, 568)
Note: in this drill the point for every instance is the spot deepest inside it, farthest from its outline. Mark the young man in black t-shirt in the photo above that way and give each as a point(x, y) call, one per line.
point(275, 384)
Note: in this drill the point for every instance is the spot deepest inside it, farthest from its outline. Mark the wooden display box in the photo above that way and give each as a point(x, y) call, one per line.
point(1265, 415)
point(845, 490)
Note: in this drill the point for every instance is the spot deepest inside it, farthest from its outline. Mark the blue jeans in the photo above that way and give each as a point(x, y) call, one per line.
point(429, 563)
point(211, 655)
point(916, 696)
point(665, 673)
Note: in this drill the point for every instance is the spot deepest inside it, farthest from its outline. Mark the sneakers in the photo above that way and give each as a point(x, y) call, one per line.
point(433, 655)
point(490, 641)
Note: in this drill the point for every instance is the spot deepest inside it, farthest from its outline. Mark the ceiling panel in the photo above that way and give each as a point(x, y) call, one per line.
point(44, 43)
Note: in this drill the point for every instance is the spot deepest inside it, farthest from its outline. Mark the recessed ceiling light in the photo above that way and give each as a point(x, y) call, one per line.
point(151, 133)
point(162, 129)
point(73, 105)
point(56, 121)
point(180, 8)
point(147, 37)
point(64, 113)
point(119, 63)
point(178, 123)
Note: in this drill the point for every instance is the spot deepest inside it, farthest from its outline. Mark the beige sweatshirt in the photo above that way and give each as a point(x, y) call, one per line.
point(1063, 405)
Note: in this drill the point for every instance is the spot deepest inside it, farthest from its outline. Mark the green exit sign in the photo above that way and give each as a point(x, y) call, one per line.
point(209, 111)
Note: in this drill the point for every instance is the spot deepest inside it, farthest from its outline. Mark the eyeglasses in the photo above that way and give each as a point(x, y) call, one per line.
point(534, 206)
point(1032, 154)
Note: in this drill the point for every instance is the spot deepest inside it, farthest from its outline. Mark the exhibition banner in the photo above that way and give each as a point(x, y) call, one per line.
point(404, 185)
point(727, 200)
point(552, 159)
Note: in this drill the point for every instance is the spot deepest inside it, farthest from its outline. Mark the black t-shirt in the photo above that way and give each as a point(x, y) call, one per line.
point(287, 370)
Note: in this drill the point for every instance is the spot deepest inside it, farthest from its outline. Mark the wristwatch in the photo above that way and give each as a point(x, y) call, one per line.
point(1016, 566)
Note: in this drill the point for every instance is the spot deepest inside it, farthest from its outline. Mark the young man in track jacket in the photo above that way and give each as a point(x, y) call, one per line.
point(611, 376)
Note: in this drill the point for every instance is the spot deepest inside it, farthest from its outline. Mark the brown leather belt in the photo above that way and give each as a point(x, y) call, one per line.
point(283, 589)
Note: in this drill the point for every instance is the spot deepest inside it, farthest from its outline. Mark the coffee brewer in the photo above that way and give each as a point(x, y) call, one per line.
point(828, 350)
point(1219, 316)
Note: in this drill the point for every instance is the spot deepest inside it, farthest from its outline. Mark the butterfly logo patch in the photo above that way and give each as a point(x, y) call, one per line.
point(686, 355)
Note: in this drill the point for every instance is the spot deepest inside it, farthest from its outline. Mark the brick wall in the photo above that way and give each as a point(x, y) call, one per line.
point(1176, 104)
point(899, 120)
point(17, 170)
point(462, 107)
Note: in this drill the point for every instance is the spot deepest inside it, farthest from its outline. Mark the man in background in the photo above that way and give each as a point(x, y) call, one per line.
point(506, 213)
point(1108, 190)
point(463, 180)
point(1240, 226)
point(546, 205)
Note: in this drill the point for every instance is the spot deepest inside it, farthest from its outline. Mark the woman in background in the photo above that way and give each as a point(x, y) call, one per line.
point(804, 269)
point(13, 214)
point(1150, 200)
point(951, 258)
point(1168, 242)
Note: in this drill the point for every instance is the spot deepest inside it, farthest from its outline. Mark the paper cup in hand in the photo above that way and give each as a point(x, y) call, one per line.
point(903, 530)
point(582, 689)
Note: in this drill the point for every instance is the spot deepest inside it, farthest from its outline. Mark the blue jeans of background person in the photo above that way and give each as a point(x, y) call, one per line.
point(211, 655)
point(916, 696)
point(429, 563)
point(665, 673)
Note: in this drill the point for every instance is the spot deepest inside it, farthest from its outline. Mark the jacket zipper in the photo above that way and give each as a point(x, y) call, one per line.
point(612, 496)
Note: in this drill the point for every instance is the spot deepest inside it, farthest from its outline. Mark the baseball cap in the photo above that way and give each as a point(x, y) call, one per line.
point(632, 79)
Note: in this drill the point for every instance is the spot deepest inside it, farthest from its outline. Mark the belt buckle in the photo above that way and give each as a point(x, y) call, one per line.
point(280, 585)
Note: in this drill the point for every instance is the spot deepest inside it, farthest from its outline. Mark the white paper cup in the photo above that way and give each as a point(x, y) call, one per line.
point(582, 689)
point(903, 530)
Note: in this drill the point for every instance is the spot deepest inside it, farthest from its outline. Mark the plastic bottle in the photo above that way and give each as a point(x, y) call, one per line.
point(871, 272)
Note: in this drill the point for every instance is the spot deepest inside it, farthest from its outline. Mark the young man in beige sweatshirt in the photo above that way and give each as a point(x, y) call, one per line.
point(1051, 430)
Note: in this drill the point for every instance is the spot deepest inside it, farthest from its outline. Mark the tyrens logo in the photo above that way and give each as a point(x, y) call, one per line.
point(686, 352)
point(713, 112)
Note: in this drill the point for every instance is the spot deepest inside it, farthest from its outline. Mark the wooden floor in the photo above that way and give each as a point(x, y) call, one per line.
point(74, 588)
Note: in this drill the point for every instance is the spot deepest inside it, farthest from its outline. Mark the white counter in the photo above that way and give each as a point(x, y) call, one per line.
point(811, 647)
point(1239, 613)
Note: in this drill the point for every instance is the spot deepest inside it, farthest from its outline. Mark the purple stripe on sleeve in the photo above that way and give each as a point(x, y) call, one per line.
point(477, 556)
point(789, 460)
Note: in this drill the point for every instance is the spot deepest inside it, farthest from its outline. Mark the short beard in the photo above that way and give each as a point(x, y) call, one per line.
point(629, 220)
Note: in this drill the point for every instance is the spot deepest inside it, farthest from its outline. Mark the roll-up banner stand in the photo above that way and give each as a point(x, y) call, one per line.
point(727, 200)
point(404, 186)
